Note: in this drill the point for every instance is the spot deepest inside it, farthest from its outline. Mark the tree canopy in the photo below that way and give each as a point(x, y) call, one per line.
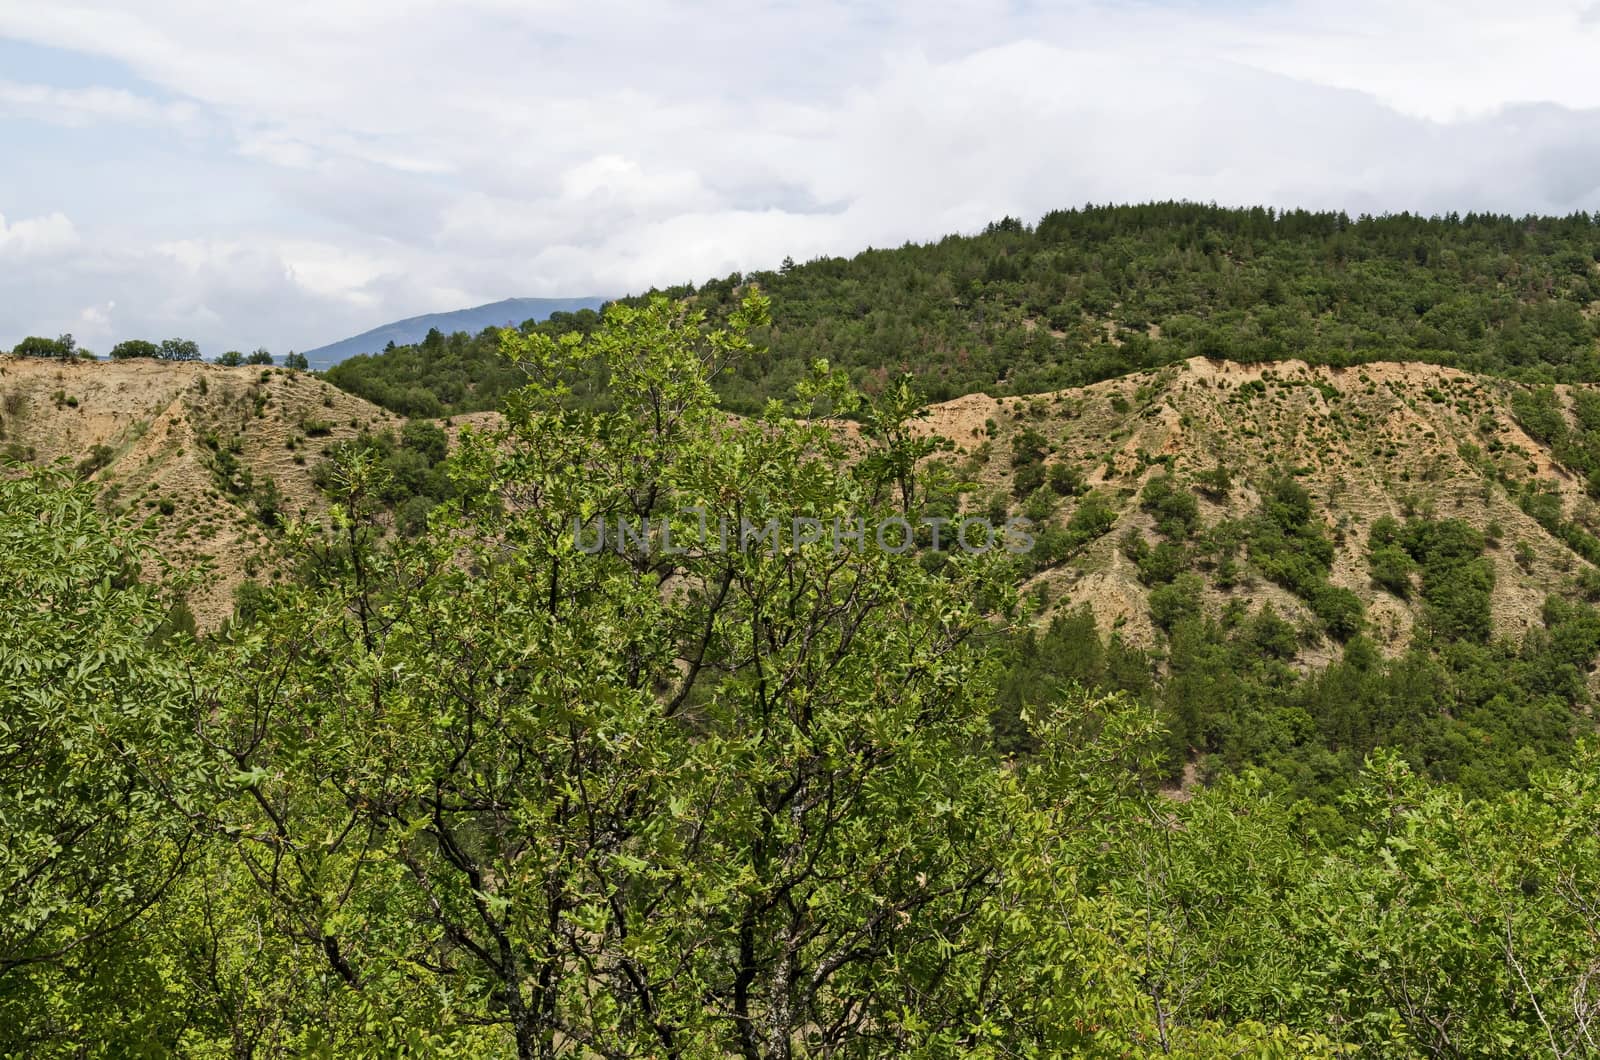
point(1093, 293)
point(64, 348)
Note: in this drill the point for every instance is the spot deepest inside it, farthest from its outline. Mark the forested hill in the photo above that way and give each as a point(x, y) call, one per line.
point(1090, 294)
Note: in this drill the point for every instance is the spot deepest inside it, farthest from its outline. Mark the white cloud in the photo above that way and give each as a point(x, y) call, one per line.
point(277, 148)
point(423, 154)
point(37, 237)
point(94, 323)
point(82, 106)
point(85, 106)
point(1442, 59)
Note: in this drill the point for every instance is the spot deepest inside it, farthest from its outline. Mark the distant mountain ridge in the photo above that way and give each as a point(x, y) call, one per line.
point(508, 312)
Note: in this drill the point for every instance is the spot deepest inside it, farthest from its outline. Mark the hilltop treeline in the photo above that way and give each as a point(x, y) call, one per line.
point(1089, 294)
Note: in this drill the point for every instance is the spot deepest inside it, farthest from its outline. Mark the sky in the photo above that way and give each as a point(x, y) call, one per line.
point(288, 174)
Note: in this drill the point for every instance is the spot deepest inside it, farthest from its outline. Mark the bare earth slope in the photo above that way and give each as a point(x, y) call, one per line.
point(1367, 441)
point(182, 440)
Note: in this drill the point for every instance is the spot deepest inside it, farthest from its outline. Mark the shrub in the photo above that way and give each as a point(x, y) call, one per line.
point(1216, 483)
point(427, 439)
point(1092, 518)
point(1163, 563)
point(1539, 414)
point(132, 349)
point(1040, 505)
point(99, 456)
point(1065, 479)
point(1391, 569)
point(1028, 447)
point(1340, 611)
point(1173, 507)
point(1174, 602)
point(1028, 478)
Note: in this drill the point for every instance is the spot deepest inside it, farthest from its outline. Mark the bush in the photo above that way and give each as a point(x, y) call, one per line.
point(412, 517)
point(1457, 582)
point(1539, 413)
point(1216, 483)
point(1388, 561)
point(1028, 479)
point(1271, 635)
point(1391, 569)
point(1040, 505)
point(425, 438)
point(132, 349)
point(1065, 479)
point(61, 349)
point(268, 500)
point(1092, 518)
point(1173, 507)
point(1173, 603)
point(1163, 563)
point(1340, 611)
point(99, 456)
point(1028, 447)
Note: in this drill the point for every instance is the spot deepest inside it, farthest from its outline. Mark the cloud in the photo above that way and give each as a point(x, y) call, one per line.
point(419, 155)
point(83, 106)
point(1441, 59)
point(94, 323)
point(37, 237)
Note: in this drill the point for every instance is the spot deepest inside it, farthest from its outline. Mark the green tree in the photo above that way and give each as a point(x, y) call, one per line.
point(1066, 480)
point(56, 349)
point(179, 350)
point(1215, 482)
point(93, 757)
point(425, 438)
point(128, 349)
point(753, 815)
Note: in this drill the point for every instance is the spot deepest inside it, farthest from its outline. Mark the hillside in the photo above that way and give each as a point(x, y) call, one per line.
point(1091, 294)
point(508, 312)
point(209, 452)
point(1298, 565)
point(1366, 442)
point(1235, 543)
point(1395, 440)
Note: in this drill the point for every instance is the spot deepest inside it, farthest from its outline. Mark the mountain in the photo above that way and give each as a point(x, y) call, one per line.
point(1093, 294)
point(509, 312)
point(212, 454)
point(1291, 564)
point(1404, 442)
point(1299, 564)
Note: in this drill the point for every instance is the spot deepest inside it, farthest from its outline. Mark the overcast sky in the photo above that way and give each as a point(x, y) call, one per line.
point(287, 174)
